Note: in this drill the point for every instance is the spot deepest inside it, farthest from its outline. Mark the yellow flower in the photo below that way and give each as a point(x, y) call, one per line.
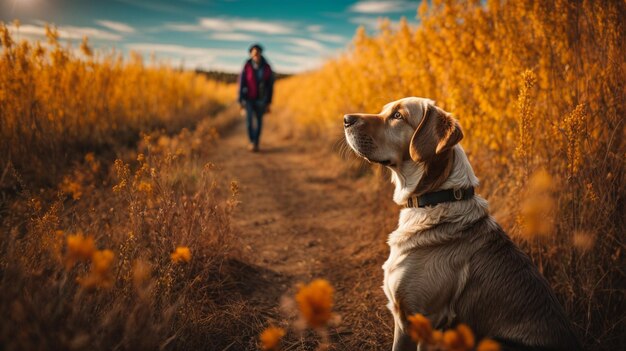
point(488, 345)
point(79, 248)
point(182, 254)
point(420, 329)
point(270, 338)
point(315, 302)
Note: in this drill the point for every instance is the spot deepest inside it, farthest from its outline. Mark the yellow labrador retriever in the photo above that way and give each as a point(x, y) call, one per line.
point(449, 259)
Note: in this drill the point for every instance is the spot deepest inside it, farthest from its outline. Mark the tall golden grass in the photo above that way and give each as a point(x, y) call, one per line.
point(95, 254)
point(539, 89)
point(55, 100)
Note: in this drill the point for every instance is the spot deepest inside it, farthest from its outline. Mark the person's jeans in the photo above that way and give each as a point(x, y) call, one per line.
point(254, 120)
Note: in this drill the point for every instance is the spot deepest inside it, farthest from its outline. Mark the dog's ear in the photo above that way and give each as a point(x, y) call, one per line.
point(436, 133)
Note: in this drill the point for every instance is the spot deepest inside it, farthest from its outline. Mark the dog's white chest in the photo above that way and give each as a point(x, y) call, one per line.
point(394, 271)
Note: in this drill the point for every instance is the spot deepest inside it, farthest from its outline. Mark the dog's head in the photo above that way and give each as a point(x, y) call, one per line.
point(410, 128)
point(407, 130)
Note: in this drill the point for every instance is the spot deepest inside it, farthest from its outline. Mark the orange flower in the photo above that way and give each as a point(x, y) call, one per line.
point(102, 260)
point(461, 339)
point(488, 345)
point(270, 338)
point(79, 248)
point(452, 340)
point(100, 275)
point(437, 336)
point(467, 335)
point(315, 302)
point(182, 254)
point(420, 329)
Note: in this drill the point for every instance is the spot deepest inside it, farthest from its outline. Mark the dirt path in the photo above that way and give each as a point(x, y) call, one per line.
point(302, 218)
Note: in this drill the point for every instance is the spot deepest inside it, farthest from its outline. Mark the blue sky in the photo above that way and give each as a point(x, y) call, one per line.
point(210, 34)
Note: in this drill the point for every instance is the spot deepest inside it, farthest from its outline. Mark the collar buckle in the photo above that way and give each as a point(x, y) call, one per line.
point(458, 194)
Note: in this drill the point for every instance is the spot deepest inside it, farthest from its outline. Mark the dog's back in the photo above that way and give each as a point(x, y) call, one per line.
point(477, 276)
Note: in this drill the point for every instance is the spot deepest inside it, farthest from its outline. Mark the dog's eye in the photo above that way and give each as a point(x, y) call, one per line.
point(397, 115)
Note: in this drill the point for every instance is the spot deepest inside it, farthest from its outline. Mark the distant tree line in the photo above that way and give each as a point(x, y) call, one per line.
point(230, 77)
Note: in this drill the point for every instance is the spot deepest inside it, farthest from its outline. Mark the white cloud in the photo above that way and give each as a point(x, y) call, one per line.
point(285, 63)
point(333, 38)
point(315, 28)
point(232, 36)
point(215, 24)
point(185, 51)
point(370, 23)
point(381, 6)
point(261, 26)
point(307, 43)
point(227, 60)
point(178, 27)
point(69, 32)
point(233, 24)
point(116, 26)
point(29, 30)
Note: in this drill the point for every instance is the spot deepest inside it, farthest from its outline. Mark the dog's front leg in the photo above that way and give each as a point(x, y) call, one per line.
point(402, 341)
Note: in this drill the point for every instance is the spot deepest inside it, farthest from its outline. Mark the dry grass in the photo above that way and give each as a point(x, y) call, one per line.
point(144, 259)
point(57, 103)
point(132, 254)
point(139, 254)
point(539, 89)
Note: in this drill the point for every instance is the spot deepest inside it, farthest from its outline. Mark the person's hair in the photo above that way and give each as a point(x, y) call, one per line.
point(256, 46)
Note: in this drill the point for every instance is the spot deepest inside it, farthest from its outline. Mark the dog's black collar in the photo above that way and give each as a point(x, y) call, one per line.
point(437, 197)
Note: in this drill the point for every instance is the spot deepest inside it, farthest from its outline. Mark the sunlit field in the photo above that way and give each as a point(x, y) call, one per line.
point(58, 100)
point(120, 230)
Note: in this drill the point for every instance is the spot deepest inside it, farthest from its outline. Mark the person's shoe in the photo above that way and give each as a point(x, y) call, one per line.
point(251, 147)
point(255, 148)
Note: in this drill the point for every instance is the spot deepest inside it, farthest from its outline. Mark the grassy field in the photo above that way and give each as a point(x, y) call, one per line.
point(58, 103)
point(119, 231)
point(115, 232)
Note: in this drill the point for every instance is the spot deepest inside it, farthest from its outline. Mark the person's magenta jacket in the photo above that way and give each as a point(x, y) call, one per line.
point(253, 89)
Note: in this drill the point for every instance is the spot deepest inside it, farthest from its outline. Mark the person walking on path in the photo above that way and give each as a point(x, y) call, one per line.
point(256, 86)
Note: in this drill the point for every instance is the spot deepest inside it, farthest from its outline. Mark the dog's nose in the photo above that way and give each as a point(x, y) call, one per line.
point(349, 120)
